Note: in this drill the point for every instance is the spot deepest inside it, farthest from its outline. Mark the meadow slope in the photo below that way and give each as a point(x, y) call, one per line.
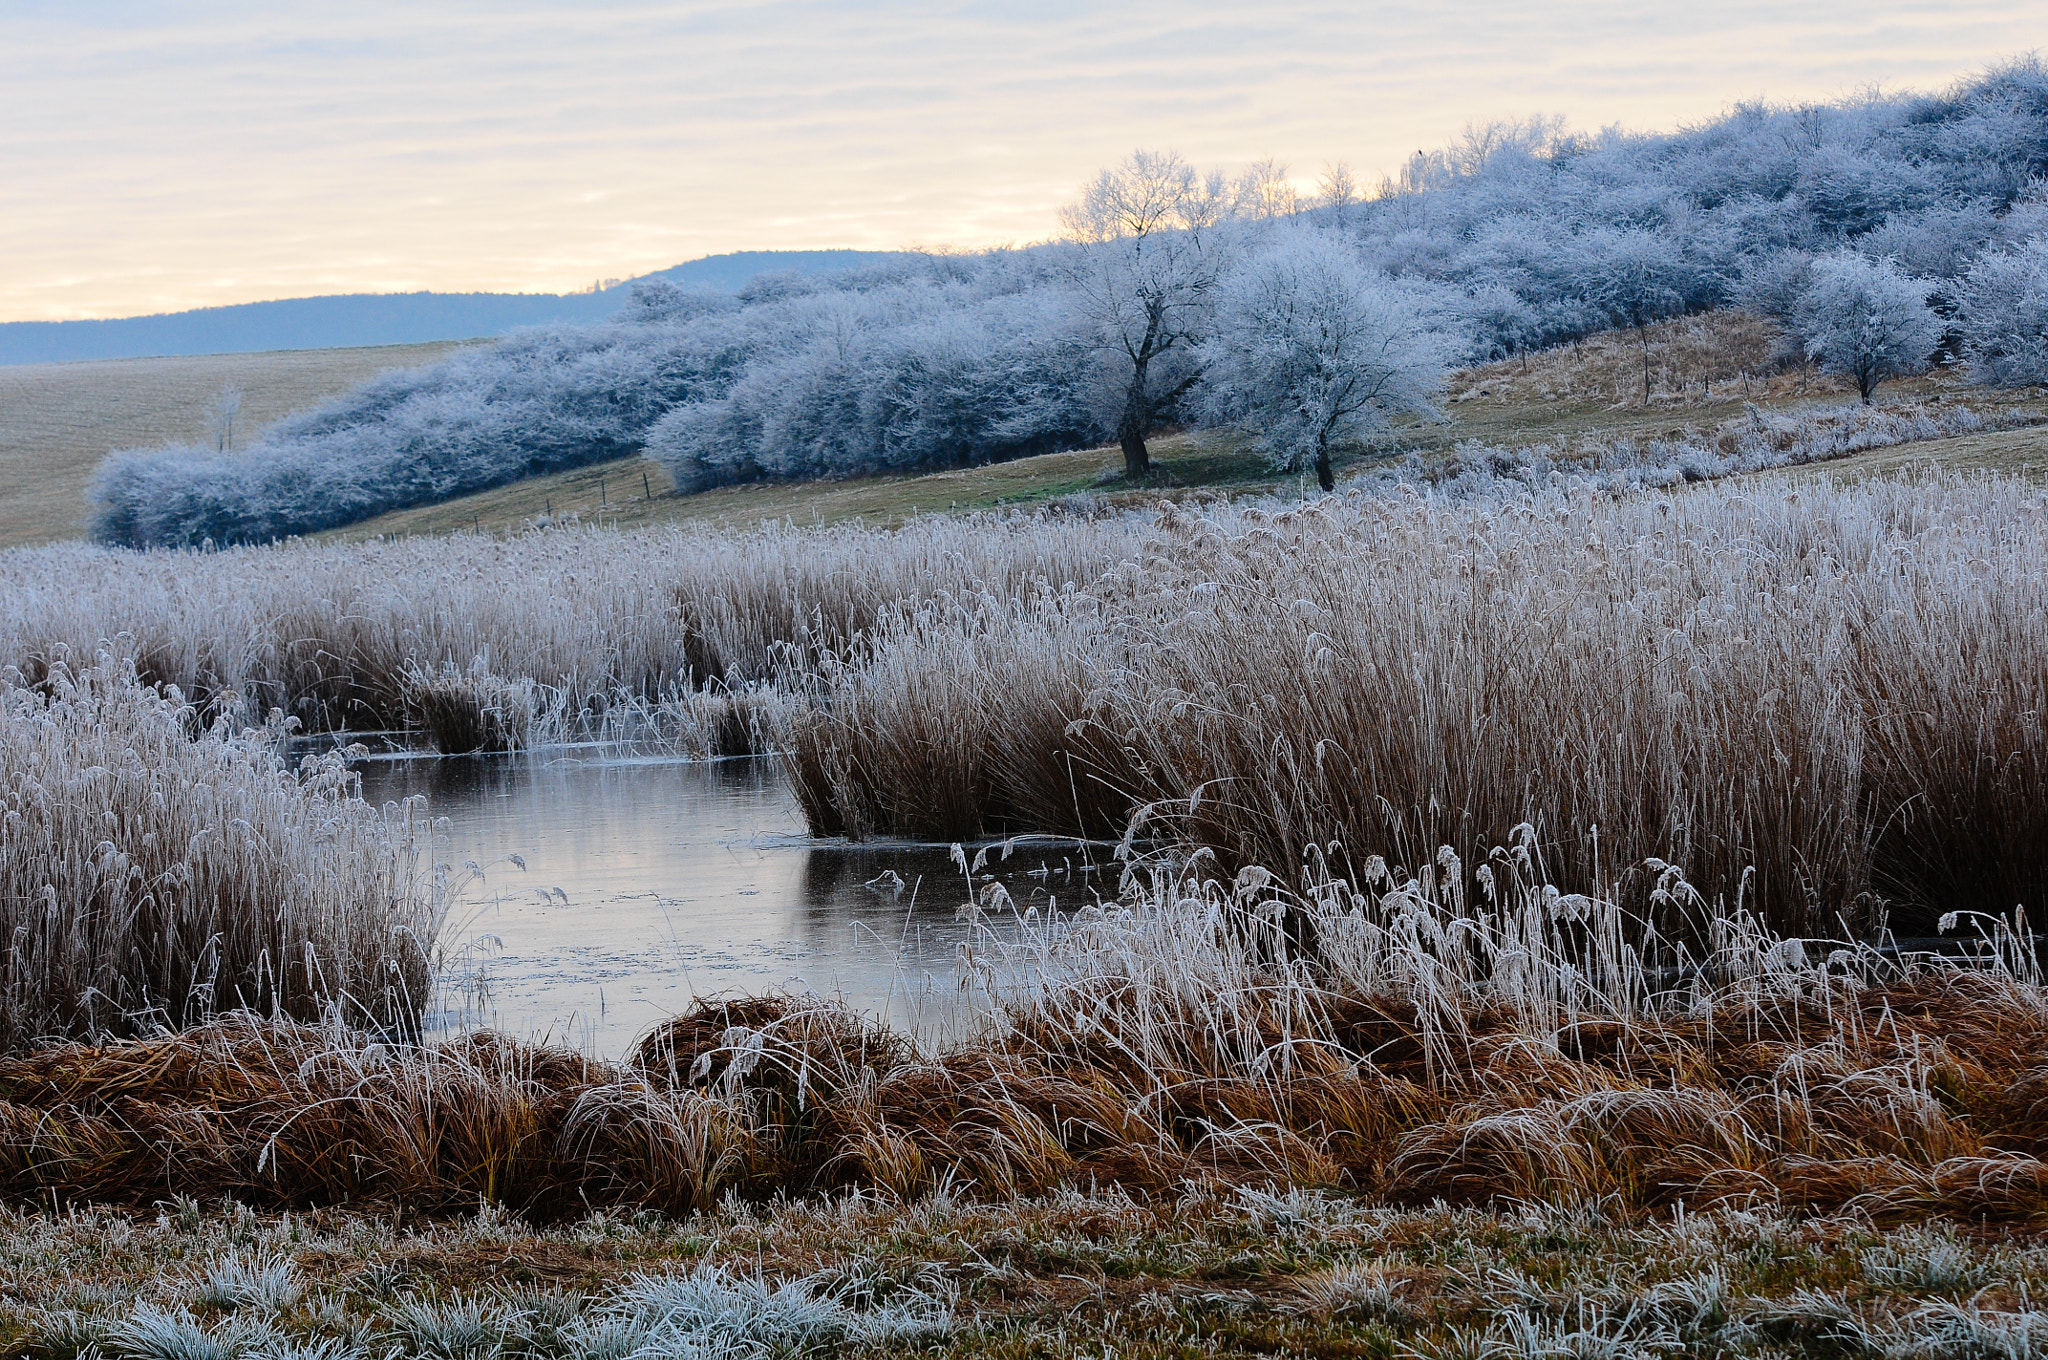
point(57, 421)
point(1707, 370)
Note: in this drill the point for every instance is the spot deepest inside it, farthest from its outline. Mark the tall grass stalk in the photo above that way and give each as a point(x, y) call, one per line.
point(1830, 703)
point(153, 874)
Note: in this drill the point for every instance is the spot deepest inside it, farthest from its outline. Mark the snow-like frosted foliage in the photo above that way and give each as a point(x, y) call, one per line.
point(915, 375)
point(1542, 234)
point(1313, 346)
point(1151, 241)
point(1865, 320)
point(539, 401)
point(2003, 315)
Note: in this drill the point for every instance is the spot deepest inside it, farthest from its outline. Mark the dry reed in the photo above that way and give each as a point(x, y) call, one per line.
point(151, 877)
point(1826, 702)
point(1837, 691)
point(346, 636)
point(1530, 1046)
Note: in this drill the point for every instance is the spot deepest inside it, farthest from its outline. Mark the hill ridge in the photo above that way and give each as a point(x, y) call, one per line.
point(361, 320)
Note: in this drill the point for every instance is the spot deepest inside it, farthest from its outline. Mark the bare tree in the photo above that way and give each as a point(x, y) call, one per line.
point(221, 416)
point(1264, 192)
point(1636, 278)
point(1337, 190)
point(1145, 268)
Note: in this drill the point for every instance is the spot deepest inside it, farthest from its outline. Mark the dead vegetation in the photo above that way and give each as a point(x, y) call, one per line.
point(1727, 354)
point(1532, 1047)
point(155, 871)
point(1824, 704)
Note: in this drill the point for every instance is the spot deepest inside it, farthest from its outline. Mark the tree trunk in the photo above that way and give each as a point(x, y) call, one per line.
point(1137, 459)
point(1130, 430)
point(1643, 336)
point(1325, 478)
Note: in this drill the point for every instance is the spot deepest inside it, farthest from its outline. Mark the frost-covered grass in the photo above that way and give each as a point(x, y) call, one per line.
point(156, 869)
point(1815, 697)
point(1066, 1275)
point(1816, 700)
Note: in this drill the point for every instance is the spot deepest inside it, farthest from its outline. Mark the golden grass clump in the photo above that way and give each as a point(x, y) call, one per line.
point(1532, 1047)
point(149, 877)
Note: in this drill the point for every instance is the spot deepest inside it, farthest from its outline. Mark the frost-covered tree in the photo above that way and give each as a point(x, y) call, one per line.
point(1312, 347)
point(1264, 192)
point(1635, 278)
point(1538, 234)
point(1865, 320)
point(2002, 312)
point(1145, 257)
point(1336, 190)
point(222, 415)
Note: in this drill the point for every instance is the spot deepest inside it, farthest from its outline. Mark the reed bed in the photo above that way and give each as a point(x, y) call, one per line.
point(358, 637)
point(1826, 702)
point(1823, 704)
point(153, 873)
point(1530, 1046)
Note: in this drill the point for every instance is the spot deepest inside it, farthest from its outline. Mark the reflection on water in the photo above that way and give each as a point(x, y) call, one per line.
point(650, 883)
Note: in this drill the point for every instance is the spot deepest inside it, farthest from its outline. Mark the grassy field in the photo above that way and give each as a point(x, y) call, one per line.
point(1057, 1278)
point(57, 421)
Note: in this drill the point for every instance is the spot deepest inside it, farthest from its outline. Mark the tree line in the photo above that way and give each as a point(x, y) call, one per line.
point(1882, 231)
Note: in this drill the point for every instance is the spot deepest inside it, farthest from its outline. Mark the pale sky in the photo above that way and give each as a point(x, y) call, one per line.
point(157, 156)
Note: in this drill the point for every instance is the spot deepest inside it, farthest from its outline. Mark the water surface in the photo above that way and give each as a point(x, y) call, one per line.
point(648, 884)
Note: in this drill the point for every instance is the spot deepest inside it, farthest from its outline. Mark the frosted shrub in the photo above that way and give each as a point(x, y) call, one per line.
point(1539, 236)
point(1866, 320)
point(2003, 314)
point(1315, 347)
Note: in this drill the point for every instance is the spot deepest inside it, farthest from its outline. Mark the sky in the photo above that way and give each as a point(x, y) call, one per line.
point(164, 155)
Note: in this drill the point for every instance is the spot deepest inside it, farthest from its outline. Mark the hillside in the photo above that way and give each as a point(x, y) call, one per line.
point(355, 320)
point(1706, 371)
point(57, 421)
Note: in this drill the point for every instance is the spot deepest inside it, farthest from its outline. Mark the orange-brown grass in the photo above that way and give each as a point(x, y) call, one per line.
point(1536, 1047)
point(152, 873)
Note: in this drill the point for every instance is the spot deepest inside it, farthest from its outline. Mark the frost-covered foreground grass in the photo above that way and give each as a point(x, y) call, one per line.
point(1066, 1275)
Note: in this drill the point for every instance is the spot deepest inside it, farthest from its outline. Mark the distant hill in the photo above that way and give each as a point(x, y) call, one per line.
point(359, 319)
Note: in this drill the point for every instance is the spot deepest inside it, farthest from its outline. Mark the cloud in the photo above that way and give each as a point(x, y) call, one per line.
point(155, 157)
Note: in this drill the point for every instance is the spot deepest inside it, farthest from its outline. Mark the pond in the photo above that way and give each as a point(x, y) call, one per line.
point(650, 883)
